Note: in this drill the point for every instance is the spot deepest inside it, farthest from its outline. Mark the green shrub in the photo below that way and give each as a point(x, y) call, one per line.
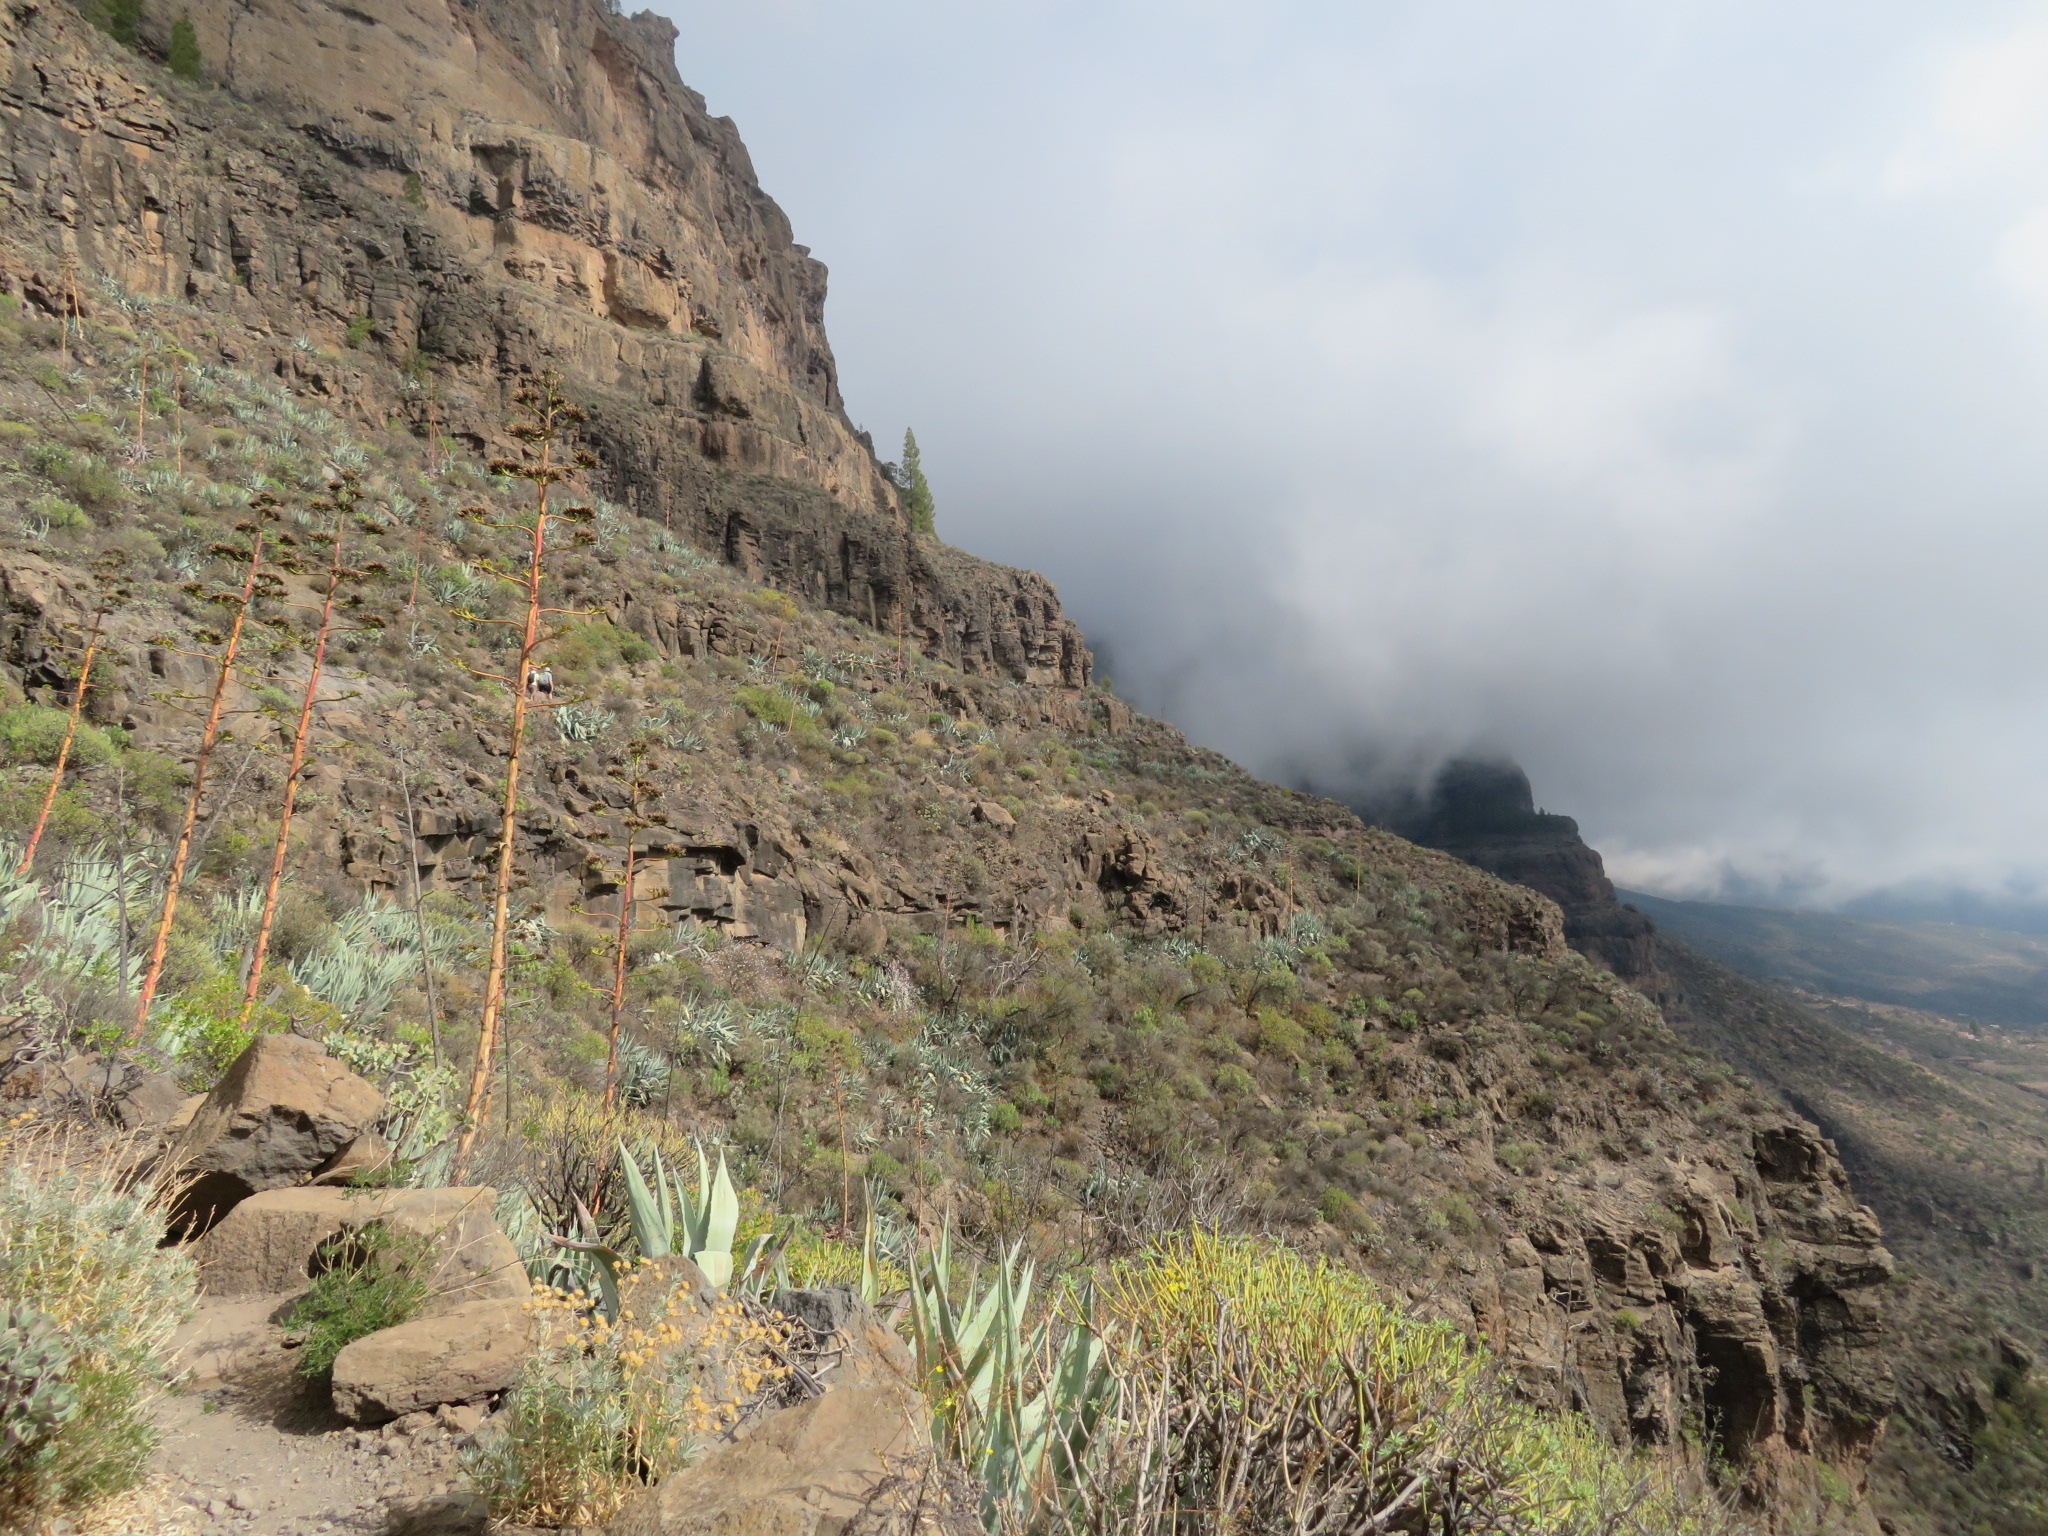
point(1278, 1035)
point(596, 647)
point(201, 1029)
point(359, 330)
point(58, 513)
point(83, 477)
point(182, 57)
point(88, 1303)
point(119, 19)
point(1235, 1355)
point(1342, 1211)
point(32, 733)
point(72, 819)
point(1520, 1156)
point(375, 1278)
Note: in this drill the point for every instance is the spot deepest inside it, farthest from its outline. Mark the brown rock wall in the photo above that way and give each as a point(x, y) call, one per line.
point(493, 190)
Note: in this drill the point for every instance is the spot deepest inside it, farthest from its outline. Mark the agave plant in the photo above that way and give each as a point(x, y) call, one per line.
point(374, 950)
point(665, 1220)
point(979, 1369)
point(583, 722)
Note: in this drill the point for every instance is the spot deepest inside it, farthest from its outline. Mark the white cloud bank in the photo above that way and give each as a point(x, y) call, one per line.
point(1657, 394)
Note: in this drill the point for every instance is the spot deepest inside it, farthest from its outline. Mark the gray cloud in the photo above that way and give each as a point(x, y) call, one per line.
point(1654, 394)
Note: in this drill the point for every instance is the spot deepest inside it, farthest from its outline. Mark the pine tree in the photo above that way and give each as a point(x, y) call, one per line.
point(123, 22)
point(183, 57)
point(917, 491)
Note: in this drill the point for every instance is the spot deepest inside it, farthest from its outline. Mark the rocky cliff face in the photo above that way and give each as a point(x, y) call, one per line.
point(1944, 1155)
point(1484, 812)
point(404, 208)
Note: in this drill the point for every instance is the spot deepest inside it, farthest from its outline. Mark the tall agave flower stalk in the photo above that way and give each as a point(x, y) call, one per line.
point(111, 594)
point(343, 496)
point(635, 822)
point(546, 416)
point(257, 583)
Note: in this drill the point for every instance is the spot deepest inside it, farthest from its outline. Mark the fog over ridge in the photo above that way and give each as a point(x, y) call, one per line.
point(1654, 398)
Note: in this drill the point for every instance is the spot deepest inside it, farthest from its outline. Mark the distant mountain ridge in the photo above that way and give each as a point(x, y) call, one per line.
point(1945, 968)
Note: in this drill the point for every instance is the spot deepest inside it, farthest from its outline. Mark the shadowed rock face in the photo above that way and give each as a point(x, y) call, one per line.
point(1485, 813)
point(481, 192)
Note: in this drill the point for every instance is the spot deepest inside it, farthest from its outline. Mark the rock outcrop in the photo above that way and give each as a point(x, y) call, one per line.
point(435, 200)
point(1484, 812)
point(462, 1355)
point(281, 1111)
point(271, 1243)
point(854, 1455)
point(454, 197)
point(1755, 1291)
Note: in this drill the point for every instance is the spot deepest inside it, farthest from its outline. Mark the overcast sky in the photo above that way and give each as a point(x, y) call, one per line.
point(1655, 393)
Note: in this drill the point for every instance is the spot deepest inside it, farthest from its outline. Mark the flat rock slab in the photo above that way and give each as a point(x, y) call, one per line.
point(463, 1355)
point(810, 1470)
point(269, 1242)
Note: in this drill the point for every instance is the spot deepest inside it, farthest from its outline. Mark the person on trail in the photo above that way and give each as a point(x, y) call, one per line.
point(540, 683)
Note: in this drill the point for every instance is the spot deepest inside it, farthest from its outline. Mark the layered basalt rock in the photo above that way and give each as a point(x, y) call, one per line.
point(1484, 812)
point(402, 209)
point(483, 192)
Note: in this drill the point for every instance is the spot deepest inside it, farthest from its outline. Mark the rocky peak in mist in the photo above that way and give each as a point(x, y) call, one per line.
point(1483, 810)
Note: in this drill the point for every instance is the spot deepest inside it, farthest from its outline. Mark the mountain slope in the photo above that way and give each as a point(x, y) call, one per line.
point(914, 908)
point(1943, 1129)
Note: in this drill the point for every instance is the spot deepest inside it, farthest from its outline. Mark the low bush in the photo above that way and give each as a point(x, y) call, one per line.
point(88, 1303)
point(1258, 1390)
point(33, 733)
point(84, 477)
point(374, 1278)
point(601, 1410)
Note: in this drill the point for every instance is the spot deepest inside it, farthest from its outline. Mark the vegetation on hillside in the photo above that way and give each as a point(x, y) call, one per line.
point(1247, 1013)
point(1943, 1128)
point(88, 1302)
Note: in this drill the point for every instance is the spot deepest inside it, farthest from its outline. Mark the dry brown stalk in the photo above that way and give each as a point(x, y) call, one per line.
point(344, 493)
point(256, 582)
point(547, 415)
point(109, 597)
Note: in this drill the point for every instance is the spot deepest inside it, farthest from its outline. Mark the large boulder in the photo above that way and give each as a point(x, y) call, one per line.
point(807, 1470)
point(110, 1087)
point(282, 1111)
point(270, 1243)
point(861, 1449)
point(463, 1355)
